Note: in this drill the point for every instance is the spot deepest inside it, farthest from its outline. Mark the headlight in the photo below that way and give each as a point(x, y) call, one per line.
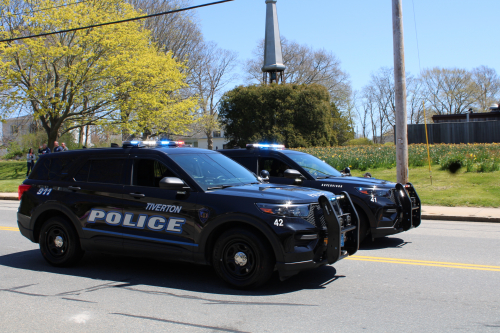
point(377, 192)
point(284, 210)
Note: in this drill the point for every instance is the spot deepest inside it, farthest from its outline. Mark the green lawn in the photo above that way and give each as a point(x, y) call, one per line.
point(12, 173)
point(459, 189)
point(12, 170)
point(10, 186)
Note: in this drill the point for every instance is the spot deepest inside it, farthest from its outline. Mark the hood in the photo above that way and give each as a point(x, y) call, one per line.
point(359, 181)
point(273, 193)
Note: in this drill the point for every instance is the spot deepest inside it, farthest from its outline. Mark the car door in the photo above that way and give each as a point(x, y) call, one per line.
point(95, 193)
point(157, 222)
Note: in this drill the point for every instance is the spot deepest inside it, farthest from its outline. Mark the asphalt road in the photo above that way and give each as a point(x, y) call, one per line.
point(443, 276)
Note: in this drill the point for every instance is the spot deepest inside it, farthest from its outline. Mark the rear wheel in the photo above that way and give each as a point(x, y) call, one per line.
point(242, 258)
point(59, 242)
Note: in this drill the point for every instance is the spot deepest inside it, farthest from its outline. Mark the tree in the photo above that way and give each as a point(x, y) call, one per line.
point(414, 99)
point(292, 114)
point(305, 65)
point(449, 90)
point(178, 33)
point(209, 78)
point(487, 84)
point(106, 75)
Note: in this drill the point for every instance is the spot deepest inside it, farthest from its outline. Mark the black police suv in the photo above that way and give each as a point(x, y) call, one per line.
point(384, 208)
point(186, 204)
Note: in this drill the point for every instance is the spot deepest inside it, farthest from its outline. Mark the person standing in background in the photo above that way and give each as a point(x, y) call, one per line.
point(30, 159)
point(57, 148)
point(45, 149)
point(64, 147)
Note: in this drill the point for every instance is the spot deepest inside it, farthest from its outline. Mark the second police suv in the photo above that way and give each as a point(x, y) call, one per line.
point(384, 208)
point(185, 204)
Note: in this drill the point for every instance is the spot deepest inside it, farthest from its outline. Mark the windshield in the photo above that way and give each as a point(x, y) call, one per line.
point(212, 171)
point(315, 166)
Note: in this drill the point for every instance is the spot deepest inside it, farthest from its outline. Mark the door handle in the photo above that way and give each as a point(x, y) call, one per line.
point(74, 188)
point(137, 195)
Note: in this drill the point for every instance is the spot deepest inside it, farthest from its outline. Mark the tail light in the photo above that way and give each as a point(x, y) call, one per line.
point(21, 189)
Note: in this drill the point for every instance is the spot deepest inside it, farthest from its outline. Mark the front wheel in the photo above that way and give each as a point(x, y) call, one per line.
point(59, 242)
point(242, 258)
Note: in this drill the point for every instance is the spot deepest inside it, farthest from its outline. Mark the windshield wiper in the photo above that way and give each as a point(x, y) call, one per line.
point(219, 187)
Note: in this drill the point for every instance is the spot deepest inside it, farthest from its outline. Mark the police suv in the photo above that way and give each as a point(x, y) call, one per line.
point(384, 208)
point(180, 203)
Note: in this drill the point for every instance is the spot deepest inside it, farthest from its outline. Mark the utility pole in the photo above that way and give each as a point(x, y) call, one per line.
point(400, 87)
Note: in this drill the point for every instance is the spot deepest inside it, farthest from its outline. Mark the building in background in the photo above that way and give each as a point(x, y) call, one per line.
point(199, 140)
point(14, 128)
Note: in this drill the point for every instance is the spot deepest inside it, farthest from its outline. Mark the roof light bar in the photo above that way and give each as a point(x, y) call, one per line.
point(133, 143)
point(167, 143)
point(150, 143)
point(265, 146)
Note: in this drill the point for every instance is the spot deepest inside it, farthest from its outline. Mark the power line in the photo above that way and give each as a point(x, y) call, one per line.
point(48, 8)
point(416, 35)
point(115, 22)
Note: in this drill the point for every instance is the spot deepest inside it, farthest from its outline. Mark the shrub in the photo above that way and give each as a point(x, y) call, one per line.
point(359, 142)
point(14, 150)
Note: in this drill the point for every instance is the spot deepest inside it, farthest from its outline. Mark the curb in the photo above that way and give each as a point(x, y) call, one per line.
point(9, 198)
point(462, 218)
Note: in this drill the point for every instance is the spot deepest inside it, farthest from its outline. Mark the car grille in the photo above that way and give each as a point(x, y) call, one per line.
point(316, 217)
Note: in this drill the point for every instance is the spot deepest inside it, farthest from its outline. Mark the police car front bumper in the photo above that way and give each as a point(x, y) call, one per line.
point(332, 246)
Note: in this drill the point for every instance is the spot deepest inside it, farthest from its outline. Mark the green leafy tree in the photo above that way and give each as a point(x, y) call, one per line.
point(292, 114)
point(107, 75)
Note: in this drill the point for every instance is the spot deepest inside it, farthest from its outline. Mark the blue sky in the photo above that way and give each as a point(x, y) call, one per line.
point(458, 33)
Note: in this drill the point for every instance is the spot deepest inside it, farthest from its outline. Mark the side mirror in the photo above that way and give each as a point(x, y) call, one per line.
point(173, 183)
point(264, 174)
point(293, 174)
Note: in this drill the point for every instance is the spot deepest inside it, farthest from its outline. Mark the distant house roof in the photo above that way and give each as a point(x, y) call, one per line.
point(456, 118)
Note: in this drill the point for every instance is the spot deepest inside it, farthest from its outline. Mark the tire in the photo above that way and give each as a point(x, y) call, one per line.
point(364, 224)
point(254, 264)
point(59, 242)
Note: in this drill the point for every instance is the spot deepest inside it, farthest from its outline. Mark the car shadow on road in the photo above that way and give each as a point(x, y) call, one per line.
point(135, 273)
point(383, 243)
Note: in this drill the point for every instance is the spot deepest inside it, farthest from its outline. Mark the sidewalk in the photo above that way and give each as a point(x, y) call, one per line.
point(474, 214)
point(470, 214)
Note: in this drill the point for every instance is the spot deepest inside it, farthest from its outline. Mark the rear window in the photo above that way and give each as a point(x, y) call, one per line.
point(59, 168)
point(106, 171)
point(55, 168)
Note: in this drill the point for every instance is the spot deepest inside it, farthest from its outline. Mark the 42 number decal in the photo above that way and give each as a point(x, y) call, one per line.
point(44, 191)
point(278, 222)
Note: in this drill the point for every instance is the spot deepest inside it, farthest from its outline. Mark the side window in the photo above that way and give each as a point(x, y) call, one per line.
point(83, 174)
point(107, 171)
point(149, 172)
point(275, 167)
point(59, 168)
point(248, 162)
point(42, 169)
